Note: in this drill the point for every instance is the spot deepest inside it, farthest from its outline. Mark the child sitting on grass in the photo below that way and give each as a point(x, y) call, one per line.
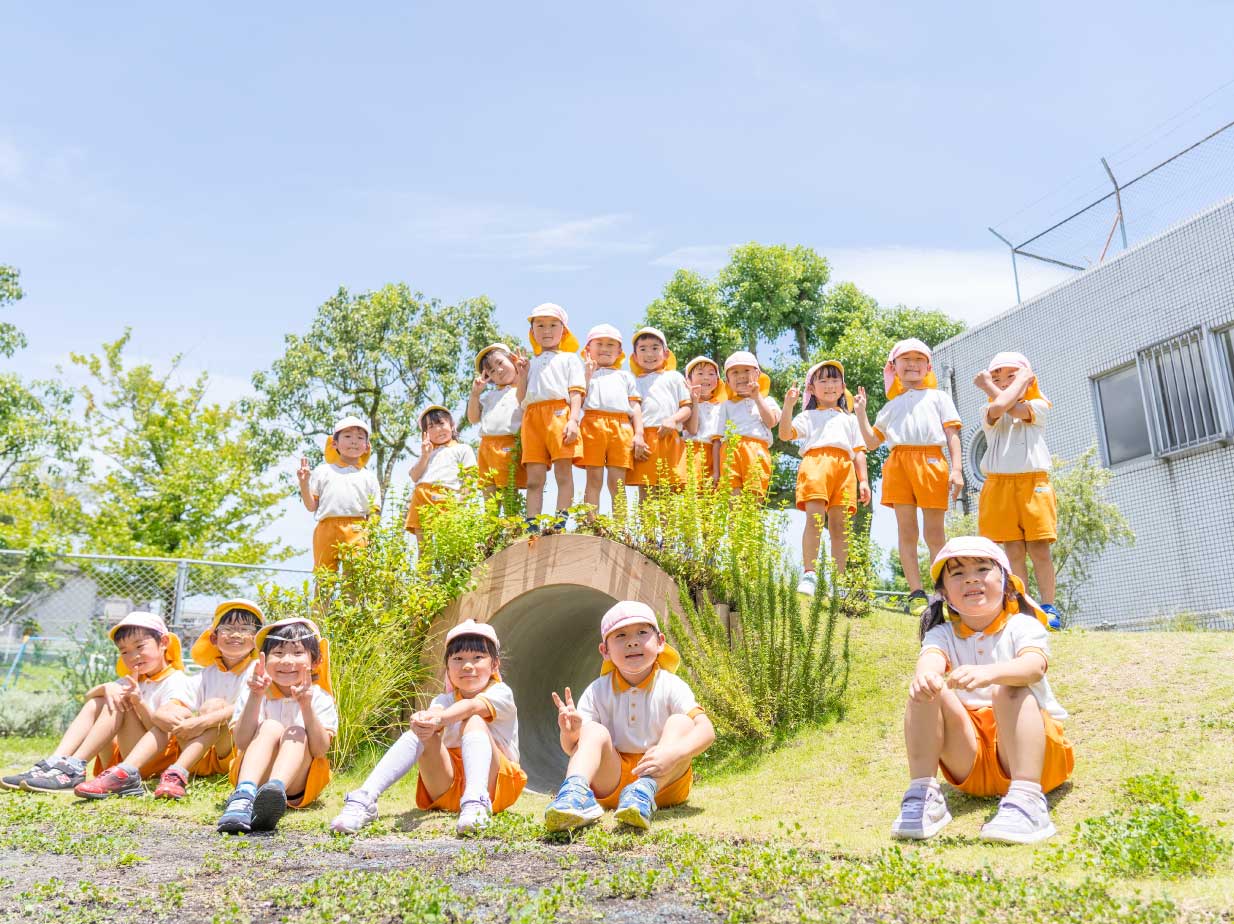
point(979, 705)
point(119, 726)
point(634, 765)
point(284, 721)
point(466, 742)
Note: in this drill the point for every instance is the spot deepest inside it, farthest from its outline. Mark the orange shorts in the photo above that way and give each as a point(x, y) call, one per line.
point(510, 782)
point(827, 474)
point(1015, 508)
point(317, 780)
point(751, 465)
point(424, 495)
point(608, 440)
point(701, 460)
point(330, 533)
point(213, 765)
point(987, 778)
point(916, 475)
point(674, 793)
point(666, 463)
point(544, 426)
point(496, 459)
point(155, 767)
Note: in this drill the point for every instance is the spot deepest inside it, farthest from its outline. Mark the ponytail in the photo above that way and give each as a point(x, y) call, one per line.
point(935, 614)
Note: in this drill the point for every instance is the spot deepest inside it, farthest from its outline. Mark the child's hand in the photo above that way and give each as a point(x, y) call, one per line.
point(568, 718)
point(521, 365)
point(957, 483)
point(259, 681)
point(187, 729)
point(791, 396)
point(657, 760)
point(302, 689)
point(570, 435)
point(589, 367)
point(426, 724)
point(925, 687)
point(131, 697)
point(642, 451)
point(863, 493)
point(860, 401)
point(478, 383)
point(696, 393)
point(969, 677)
point(304, 472)
point(113, 694)
point(667, 430)
point(984, 381)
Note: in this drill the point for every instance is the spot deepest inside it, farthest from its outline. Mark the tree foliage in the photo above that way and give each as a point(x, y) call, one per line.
point(771, 290)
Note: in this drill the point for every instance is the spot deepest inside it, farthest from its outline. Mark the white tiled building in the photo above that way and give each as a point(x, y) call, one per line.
point(1137, 356)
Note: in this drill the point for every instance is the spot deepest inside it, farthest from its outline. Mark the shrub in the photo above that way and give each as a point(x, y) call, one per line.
point(90, 662)
point(24, 714)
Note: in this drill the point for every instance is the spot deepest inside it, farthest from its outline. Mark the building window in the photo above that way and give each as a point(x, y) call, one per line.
point(1181, 401)
point(1120, 407)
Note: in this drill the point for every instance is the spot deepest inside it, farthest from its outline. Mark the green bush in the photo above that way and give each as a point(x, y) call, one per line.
point(24, 714)
point(90, 662)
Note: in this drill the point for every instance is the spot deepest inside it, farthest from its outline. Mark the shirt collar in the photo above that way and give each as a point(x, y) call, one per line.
point(963, 631)
point(621, 685)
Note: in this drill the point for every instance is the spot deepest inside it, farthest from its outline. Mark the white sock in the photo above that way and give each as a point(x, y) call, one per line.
point(477, 762)
point(395, 764)
point(1027, 788)
point(924, 782)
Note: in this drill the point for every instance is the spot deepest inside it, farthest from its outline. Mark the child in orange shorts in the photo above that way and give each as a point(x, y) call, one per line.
point(499, 414)
point(666, 407)
point(1017, 506)
point(551, 388)
point(832, 478)
point(612, 425)
point(466, 742)
point(916, 422)
point(705, 429)
point(341, 492)
point(752, 413)
point(980, 707)
point(439, 470)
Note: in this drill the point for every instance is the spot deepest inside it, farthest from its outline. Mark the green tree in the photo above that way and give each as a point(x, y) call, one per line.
point(775, 289)
point(380, 355)
point(694, 318)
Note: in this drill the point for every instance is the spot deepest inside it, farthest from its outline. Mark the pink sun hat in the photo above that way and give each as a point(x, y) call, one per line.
point(471, 627)
point(627, 613)
point(969, 547)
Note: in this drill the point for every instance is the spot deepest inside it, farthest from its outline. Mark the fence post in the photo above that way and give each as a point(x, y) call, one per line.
point(1118, 200)
point(181, 589)
point(1015, 272)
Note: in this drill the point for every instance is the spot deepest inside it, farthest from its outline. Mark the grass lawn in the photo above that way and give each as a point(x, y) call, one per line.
point(796, 834)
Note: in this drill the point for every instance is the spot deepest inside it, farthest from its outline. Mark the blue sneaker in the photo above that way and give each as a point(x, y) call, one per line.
point(1056, 618)
point(237, 814)
point(574, 807)
point(268, 806)
point(637, 804)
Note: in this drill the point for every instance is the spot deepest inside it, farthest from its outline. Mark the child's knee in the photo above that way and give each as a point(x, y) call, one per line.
point(271, 730)
point(1004, 695)
point(595, 734)
point(295, 734)
point(1039, 550)
point(676, 726)
point(475, 724)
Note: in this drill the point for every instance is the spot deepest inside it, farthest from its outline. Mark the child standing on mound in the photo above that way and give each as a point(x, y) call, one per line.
point(118, 726)
point(466, 742)
point(1017, 506)
point(439, 470)
point(284, 721)
point(916, 422)
point(551, 389)
point(832, 477)
point(704, 429)
point(752, 414)
point(635, 732)
point(612, 426)
point(666, 406)
point(340, 492)
point(499, 415)
point(979, 705)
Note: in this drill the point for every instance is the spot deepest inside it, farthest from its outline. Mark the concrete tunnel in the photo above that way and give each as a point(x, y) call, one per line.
point(545, 599)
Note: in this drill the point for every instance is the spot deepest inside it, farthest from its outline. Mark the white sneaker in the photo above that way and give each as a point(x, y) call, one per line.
point(923, 813)
point(809, 581)
point(473, 816)
point(1021, 819)
point(358, 811)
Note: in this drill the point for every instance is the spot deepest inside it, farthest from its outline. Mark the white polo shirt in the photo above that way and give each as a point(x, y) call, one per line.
point(743, 413)
point(663, 394)
point(636, 716)
point(829, 428)
point(710, 422)
point(552, 375)
point(446, 463)
point(286, 711)
point(215, 683)
point(611, 390)
point(1013, 447)
point(500, 412)
point(917, 418)
point(1022, 633)
point(502, 719)
point(176, 686)
point(343, 490)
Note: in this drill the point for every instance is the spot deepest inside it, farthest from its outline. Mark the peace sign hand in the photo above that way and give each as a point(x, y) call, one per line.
point(860, 401)
point(259, 681)
point(568, 718)
point(304, 472)
point(302, 690)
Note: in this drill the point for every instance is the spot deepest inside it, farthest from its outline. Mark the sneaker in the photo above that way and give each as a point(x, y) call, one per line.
point(15, 780)
point(268, 807)
point(473, 816)
point(58, 777)
point(358, 811)
point(1022, 819)
point(533, 526)
point(574, 807)
point(237, 815)
point(1056, 618)
point(916, 603)
point(636, 805)
point(559, 523)
point(111, 782)
point(923, 813)
point(808, 583)
point(172, 785)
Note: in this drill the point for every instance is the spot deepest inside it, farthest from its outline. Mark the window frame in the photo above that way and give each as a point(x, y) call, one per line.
point(1102, 442)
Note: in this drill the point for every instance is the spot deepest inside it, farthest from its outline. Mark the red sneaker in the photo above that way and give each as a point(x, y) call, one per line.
point(111, 782)
point(172, 785)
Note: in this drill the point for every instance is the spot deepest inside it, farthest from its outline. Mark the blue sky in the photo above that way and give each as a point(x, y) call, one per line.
point(208, 177)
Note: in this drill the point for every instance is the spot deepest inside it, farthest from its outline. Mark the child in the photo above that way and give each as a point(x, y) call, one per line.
point(466, 742)
point(752, 414)
point(438, 471)
point(551, 389)
point(1017, 506)
point(499, 415)
point(340, 492)
point(284, 721)
point(666, 406)
point(917, 421)
point(638, 765)
point(979, 705)
point(611, 429)
point(118, 727)
point(832, 477)
point(226, 654)
point(705, 432)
